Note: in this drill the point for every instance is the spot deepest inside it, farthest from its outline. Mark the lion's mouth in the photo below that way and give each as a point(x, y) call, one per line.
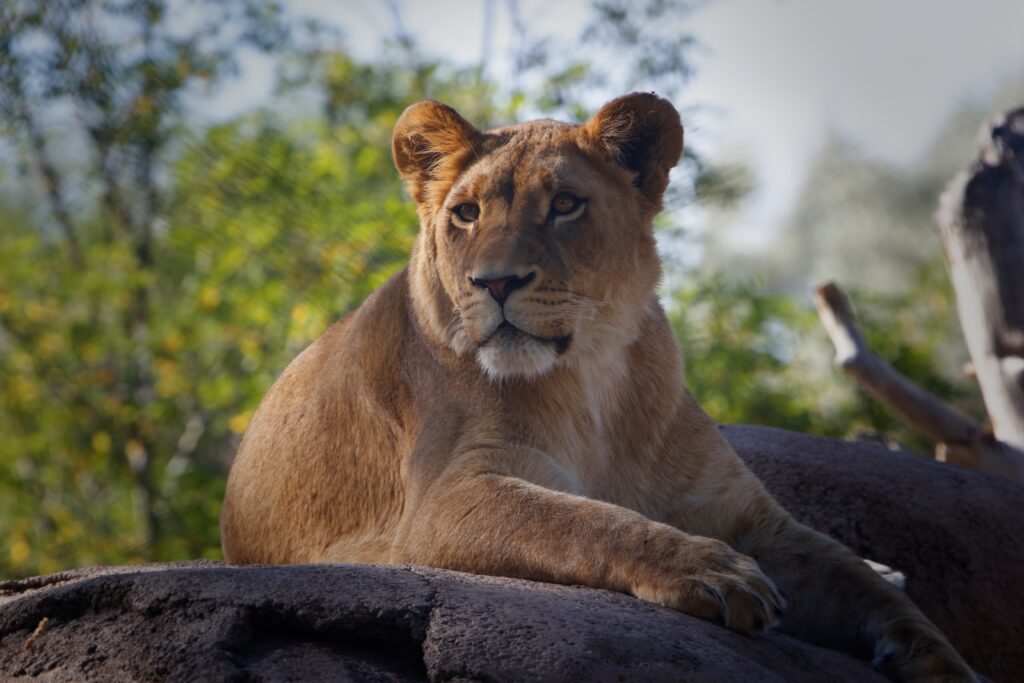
point(507, 329)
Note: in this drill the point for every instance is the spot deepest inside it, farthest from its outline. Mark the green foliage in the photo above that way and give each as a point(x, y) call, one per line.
point(869, 226)
point(758, 356)
point(96, 464)
point(918, 332)
point(156, 275)
point(745, 358)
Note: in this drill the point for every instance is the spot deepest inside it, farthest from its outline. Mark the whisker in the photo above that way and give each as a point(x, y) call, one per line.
point(455, 325)
point(584, 300)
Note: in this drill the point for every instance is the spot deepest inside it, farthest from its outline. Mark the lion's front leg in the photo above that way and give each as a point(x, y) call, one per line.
point(835, 598)
point(479, 516)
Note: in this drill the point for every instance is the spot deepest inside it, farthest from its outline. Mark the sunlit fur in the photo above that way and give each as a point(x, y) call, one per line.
point(561, 447)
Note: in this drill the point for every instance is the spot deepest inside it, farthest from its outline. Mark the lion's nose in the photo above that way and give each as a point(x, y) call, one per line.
point(500, 287)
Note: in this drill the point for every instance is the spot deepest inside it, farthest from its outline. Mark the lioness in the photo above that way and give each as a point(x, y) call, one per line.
point(512, 403)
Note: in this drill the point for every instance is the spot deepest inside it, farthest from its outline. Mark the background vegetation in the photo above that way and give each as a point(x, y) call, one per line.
point(158, 272)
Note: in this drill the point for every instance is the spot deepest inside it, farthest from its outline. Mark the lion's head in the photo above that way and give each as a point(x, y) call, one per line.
point(536, 245)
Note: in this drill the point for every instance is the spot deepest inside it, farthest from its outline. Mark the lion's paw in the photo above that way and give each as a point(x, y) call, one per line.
point(716, 583)
point(911, 651)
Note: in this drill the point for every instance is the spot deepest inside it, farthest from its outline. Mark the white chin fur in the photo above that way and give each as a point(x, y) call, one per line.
point(526, 359)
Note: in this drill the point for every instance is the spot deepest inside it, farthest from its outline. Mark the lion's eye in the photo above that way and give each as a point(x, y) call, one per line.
point(467, 213)
point(564, 203)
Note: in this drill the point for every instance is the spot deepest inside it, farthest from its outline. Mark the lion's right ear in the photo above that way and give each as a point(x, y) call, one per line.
point(430, 145)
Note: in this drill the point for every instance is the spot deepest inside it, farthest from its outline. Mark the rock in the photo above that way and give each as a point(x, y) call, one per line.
point(955, 534)
point(203, 621)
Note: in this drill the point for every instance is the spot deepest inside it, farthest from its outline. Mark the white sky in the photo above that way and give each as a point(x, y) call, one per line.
point(885, 73)
point(775, 75)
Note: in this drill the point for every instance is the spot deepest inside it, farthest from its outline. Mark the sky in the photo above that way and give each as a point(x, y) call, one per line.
point(772, 76)
point(883, 73)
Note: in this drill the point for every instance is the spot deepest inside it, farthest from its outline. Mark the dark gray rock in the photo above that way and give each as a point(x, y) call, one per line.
point(208, 622)
point(956, 535)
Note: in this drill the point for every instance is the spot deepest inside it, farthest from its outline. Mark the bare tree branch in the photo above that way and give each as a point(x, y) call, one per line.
point(53, 186)
point(961, 439)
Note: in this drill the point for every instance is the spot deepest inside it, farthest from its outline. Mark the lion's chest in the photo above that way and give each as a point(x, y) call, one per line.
point(581, 448)
point(599, 465)
point(580, 431)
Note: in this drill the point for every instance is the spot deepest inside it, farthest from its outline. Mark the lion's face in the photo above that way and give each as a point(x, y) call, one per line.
point(536, 246)
point(542, 253)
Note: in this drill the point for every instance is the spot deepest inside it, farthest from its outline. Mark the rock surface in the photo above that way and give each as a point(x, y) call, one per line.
point(955, 534)
point(371, 623)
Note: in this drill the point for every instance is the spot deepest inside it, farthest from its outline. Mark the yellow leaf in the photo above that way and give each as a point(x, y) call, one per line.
point(34, 311)
point(300, 314)
point(20, 550)
point(101, 442)
point(240, 421)
point(209, 296)
point(90, 352)
point(173, 341)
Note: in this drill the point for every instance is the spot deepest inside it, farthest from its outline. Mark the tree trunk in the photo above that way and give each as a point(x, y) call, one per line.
point(981, 221)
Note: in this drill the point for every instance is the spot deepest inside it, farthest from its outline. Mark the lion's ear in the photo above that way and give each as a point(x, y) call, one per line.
point(430, 143)
point(641, 132)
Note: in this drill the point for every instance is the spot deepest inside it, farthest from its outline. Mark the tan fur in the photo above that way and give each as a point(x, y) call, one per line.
point(565, 448)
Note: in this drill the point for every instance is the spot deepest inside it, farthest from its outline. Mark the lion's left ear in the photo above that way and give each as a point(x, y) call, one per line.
point(641, 132)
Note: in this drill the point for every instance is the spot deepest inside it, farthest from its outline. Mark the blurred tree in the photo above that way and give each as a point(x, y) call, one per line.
point(87, 408)
point(858, 221)
point(155, 276)
point(869, 226)
point(983, 239)
point(755, 355)
point(743, 357)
